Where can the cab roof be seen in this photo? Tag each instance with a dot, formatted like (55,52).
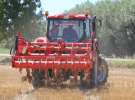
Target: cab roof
(70,16)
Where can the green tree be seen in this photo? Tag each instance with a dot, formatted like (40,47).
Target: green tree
(117,34)
(18,16)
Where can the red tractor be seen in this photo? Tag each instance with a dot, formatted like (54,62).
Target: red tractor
(68,52)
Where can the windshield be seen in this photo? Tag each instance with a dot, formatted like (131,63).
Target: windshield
(68,30)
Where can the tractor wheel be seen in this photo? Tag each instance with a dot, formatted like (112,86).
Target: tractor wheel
(102,73)
(38,78)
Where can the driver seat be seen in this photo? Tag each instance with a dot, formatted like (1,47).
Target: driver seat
(70,35)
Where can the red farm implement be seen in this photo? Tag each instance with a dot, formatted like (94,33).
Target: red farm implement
(69,51)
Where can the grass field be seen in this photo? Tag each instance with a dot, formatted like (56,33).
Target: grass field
(4,51)
(122,63)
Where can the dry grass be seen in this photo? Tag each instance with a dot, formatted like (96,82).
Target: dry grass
(120,86)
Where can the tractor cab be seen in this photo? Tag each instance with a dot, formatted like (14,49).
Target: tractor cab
(71,28)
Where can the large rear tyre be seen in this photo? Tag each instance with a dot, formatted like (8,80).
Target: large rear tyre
(38,78)
(100,76)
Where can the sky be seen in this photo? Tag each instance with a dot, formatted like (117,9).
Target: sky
(59,6)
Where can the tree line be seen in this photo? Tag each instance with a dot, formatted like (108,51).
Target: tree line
(117,34)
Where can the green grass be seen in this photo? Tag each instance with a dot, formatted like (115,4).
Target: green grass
(4,51)
(122,63)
